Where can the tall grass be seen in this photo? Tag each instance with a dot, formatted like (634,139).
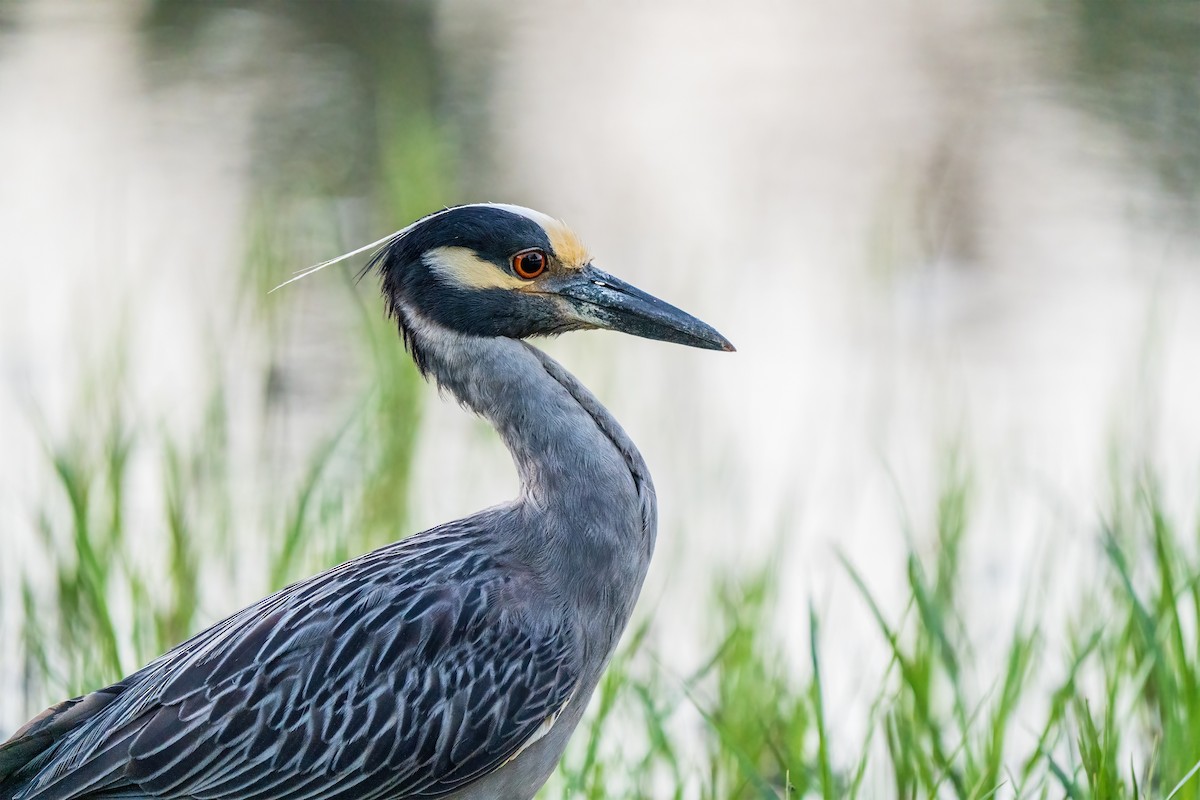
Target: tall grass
(108,590)
(1107,709)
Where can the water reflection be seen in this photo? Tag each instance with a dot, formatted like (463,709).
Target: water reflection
(901,215)
(1135,66)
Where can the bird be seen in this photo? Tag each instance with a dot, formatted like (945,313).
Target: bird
(456,662)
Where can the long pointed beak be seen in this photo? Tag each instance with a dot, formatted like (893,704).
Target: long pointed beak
(604,301)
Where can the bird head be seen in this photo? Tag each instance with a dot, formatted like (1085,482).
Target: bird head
(503,270)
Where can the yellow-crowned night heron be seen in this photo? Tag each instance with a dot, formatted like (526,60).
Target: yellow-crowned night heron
(452,664)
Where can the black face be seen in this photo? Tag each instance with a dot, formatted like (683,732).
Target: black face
(492,232)
(531,293)
(494,235)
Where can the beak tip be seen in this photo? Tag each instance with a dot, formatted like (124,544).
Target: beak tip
(728,347)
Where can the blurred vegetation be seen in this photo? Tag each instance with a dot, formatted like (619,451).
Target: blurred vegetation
(113,601)
(1134,64)
(1106,709)
(1109,708)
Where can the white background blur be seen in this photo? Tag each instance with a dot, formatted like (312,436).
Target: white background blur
(919,222)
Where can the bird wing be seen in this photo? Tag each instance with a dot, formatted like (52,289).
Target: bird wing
(407,673)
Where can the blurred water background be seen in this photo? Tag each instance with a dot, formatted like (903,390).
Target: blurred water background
(945,236)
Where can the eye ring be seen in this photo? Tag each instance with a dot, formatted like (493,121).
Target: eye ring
(529,264)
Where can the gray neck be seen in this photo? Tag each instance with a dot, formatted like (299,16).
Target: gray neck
(587,506)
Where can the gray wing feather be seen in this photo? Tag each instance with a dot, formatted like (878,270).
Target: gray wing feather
(408,672)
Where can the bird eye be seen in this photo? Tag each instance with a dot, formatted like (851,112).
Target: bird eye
(528,264)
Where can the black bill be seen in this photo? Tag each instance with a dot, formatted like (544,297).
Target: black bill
(608,302)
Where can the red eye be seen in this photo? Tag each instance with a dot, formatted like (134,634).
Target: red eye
(528,264)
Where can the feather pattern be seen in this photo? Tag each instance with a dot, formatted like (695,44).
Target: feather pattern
(408,672)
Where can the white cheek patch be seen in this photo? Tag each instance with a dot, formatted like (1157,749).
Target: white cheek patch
(541,219)
(461,266)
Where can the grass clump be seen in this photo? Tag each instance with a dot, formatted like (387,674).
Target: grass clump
(1118,719)
(1107,708)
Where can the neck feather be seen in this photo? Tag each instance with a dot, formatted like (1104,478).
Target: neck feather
(567,447)
(587,516)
